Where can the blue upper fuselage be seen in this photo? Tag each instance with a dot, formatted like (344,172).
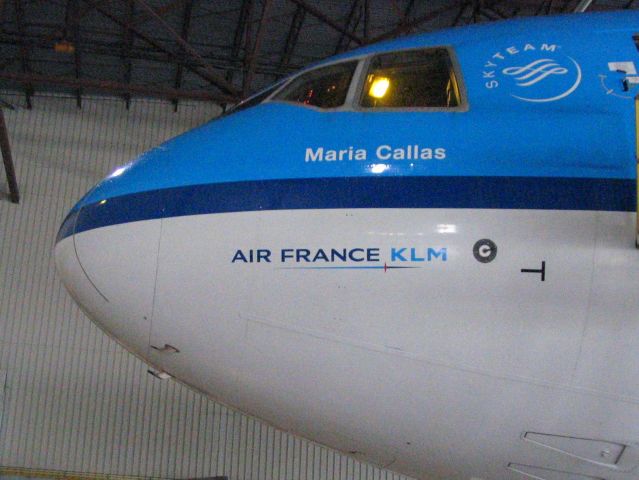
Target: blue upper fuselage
(564,141)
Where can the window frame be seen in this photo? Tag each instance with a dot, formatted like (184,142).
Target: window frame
(454,64)
(344,107)
(356,88)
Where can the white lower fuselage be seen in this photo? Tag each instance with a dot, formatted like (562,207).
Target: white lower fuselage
(435,371)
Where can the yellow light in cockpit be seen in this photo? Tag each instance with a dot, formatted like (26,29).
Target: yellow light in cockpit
(379,87)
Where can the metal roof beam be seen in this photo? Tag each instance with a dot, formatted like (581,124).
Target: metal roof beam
(492,11)
(24,51)
(348,27)
(325,19)
(118,88)
(92,49)
(476,10)
(397,10)
(163,10)
(496,8)
(551,5)
(240,31)
(5,147)
(127,47)
(409,8)
(7,159)
(404,16)
(72,27)
(292,36)
(257,45)
(186,26)
(461,12)
(57,33)
(215,78)
(367,17)
(427,16)
(544,5)
(211,77)
(491,14)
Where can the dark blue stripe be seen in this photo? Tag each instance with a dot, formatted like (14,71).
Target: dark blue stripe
(548,193)
(68,225)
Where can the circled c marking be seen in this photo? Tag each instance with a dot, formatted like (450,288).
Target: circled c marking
(485,250)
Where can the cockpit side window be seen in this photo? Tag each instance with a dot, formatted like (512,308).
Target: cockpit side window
(407,79)
(256,99)
(325,87)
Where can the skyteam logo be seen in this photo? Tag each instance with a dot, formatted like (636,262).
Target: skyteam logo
(535,72)
(532,73)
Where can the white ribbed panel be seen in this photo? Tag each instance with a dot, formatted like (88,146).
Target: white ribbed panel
(3,377)
(74,399)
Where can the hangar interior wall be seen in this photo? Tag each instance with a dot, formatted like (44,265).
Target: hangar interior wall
(76,401)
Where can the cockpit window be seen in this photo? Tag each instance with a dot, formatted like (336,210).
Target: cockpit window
(411,79)
(323,87)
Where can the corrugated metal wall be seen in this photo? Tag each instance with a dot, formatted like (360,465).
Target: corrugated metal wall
(74,399)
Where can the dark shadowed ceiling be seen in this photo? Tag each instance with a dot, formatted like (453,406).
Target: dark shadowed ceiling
(220,50)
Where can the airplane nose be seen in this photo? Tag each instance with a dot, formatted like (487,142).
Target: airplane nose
(110,270)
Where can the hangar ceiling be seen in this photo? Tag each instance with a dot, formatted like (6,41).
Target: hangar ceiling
(212,49)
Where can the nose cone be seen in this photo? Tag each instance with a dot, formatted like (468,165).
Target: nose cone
(107,249)
(110,270)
